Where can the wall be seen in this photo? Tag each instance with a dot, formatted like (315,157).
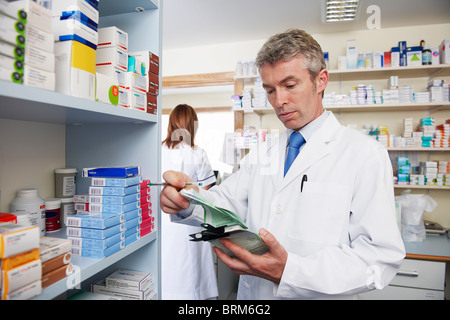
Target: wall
(223,57)
(45,150)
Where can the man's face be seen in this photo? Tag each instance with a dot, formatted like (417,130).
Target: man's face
(294,97)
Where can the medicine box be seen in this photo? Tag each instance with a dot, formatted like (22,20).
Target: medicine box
(66,7)
(19,259)
(11,25)
(39,59)
(39,39)
(98,253)
(113,191)
(11,36)
(72,28)
(116,182)
(95,233)
(352,54)
(15,239)
(26,292)
(115,199)
(106,89)
(124,293)
(138,101)
(14,10)
(129,279)
(38,78)
(11,63)
(11,51)
(124,100)
(133,214)
(378,59)
(113,37)
(95,221)
(445,51)
(75,69)
(11,75)
(56,262)
(20,276)
(136,65)
(414,56)
(117,75)
(149,58)
(136,82)
(152,103)
(36,14)
(97,243)
(112,57)
(51,247)
(133,223)
(132,238)
(57,274)
(395,57)
(112,172)
(402,53)
(113,208)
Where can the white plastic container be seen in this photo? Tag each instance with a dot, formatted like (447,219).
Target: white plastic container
(65,182)
(28,200)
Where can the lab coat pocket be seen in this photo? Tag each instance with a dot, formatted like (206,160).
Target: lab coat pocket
(321,214)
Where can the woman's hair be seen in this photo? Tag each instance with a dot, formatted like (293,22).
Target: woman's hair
(287,45)
(182,126)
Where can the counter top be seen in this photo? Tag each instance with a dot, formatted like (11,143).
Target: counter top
(435,247)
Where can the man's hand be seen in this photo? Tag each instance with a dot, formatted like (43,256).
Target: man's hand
(269,266)
(171,201)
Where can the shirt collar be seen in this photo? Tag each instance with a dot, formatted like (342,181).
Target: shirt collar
(308,130)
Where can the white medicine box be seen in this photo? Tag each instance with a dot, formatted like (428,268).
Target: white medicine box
(112,57)
(112,37)
(445,51)
(75,69)
(106,89)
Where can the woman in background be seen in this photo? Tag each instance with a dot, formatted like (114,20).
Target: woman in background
(188,271)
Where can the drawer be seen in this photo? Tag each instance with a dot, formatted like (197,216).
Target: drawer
(402,293)
(420,274)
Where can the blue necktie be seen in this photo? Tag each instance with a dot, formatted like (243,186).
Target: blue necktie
(295,142)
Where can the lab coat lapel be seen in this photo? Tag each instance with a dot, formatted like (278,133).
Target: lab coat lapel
(316,148)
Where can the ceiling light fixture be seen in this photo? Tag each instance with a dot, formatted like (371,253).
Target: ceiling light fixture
(339,10)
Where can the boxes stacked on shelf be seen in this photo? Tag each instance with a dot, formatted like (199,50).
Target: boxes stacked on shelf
(148,221)
(114,216)
(146,63)
(111,66)
(55,255)
(75,26)
(429,170)
(20,262)
(439,90)
(403,170)
(442,136)
(26,25)
(127,285)
(427,126)
(259,95)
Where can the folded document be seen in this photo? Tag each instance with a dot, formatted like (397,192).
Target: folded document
(223,223)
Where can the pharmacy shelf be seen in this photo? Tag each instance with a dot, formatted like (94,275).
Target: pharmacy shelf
(425,149)
(20,102)
(412,106)
(407,186)
(427,106)
(85,268)
(383,73)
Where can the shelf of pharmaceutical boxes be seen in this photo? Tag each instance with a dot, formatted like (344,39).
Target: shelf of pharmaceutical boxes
(20,102)
(84,268)
(430,187)
(410,106)
(441,70)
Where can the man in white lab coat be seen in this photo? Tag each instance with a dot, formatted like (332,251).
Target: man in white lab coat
(330,221)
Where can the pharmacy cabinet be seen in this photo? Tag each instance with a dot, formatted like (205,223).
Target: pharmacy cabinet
(415,280)
(82,133)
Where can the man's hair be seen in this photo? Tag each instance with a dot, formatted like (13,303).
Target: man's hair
(289,44)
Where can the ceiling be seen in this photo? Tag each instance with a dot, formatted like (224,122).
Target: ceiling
(190,23)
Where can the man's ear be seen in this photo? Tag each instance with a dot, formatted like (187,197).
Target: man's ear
(322,80)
